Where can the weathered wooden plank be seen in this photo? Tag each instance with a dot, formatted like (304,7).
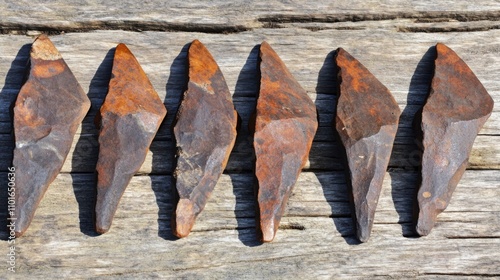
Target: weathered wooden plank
(324,155)
(61,234)
(406,76)
(316,236)
(236,16)
(385,53)
(305,194)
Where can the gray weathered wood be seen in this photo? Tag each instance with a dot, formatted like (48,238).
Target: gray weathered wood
(60,240)
(395,67)
(391,38)
(238,16)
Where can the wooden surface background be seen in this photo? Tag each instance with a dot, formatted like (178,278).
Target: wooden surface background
(392,38)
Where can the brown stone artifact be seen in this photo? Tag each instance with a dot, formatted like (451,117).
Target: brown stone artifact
(456,109)
(205,131)
(285,125)
(367,121)
(48,110)
(129,119)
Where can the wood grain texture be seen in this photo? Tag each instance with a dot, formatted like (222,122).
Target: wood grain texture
(223,243)
(240,15)
(316,238)
(405,71)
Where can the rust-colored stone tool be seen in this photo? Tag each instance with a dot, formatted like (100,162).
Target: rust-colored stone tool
(129,119)
(367,121)
(285,125)
(457,107)
(205,132)
(48,110)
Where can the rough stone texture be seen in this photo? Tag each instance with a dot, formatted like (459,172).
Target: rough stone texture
(367,120)
(129,119)
(457,107)
(48,110)
(285,124)
(205,132)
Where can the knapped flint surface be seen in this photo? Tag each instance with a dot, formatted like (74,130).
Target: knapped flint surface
(205,132)
(48,110)
(367,120)
(285,125)
(457,107)
(129,119)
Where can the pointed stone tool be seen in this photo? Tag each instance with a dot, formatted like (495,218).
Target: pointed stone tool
(285,125)
(367,121)
(457,107)
(205,132)
(129,119)
(48,110)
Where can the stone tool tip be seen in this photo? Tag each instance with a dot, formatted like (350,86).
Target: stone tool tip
(185,216)
(43,48)
(268,231)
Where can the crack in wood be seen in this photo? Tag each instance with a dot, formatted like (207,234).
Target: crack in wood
(125,25)
(460,16)
(460,274)
(435,29)
(472,237)
(296,226)
(267,21)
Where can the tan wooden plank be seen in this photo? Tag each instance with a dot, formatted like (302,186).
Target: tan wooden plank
(397,59)
(235,16)
(60,240)
(315,239)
